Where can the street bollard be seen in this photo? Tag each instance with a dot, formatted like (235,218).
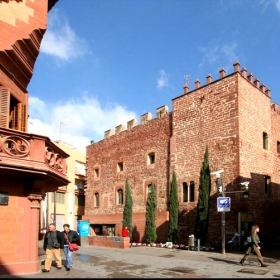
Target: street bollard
(198,244)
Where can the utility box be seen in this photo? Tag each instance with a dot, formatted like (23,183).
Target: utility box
(84,232)
(191,240)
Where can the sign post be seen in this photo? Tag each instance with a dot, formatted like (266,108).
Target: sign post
(223,204)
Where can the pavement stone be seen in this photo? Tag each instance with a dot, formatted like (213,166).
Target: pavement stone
(148,262)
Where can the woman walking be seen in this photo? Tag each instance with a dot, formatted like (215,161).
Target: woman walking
(70,236)
(254,247)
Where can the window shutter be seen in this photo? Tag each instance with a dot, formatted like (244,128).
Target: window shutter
(19,117)
(4,107)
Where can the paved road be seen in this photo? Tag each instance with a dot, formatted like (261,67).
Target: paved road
(148,262)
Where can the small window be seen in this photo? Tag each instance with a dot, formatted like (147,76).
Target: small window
(192,191)
(96,199)
(278,147)
(185,192)
(188,192)
(265,141)
(151,158)
(58,197)
(96,173)
(149,189)
(267,180)
(80,200)
(120,196)
(120,166)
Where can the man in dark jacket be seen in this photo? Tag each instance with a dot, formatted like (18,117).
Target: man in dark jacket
(52,237)
(70,236)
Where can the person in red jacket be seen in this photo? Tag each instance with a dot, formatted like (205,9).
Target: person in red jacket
(125,232)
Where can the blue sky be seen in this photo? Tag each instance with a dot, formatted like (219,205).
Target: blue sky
(105,62)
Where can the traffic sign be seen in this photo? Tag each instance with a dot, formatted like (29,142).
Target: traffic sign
(223,204)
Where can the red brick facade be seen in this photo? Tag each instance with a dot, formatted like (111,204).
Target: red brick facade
(30,165)
(231,116)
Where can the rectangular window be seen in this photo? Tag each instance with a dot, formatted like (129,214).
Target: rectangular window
(80,168)
(151,158)
(79,185)
(96,199)
(96,173)
(120,166)
(265,141)
(185,192)
(267,180)
(58,197)
(79,200)
(278,147)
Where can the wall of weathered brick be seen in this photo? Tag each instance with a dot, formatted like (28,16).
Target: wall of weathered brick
(229,116)
(109,241)
(132,148)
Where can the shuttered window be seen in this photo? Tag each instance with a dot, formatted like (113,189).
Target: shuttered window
(4,107)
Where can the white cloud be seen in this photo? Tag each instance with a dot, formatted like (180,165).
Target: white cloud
(77,121)
(278,5)
(219,53)
(162,81)
(60,40)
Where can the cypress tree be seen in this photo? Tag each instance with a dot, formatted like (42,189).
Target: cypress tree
(151,209)
(173,210)
(127,210)
(203,204)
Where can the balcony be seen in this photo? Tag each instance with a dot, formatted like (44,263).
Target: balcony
(25,155)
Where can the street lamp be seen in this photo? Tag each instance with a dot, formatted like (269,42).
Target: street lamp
(221,188)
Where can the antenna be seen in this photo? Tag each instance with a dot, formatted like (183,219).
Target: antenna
(187,78)
(60,130)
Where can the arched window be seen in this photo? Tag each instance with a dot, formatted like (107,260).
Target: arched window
(188,191)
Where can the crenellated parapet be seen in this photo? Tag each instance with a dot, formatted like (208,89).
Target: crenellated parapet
(145,118)
(222,74)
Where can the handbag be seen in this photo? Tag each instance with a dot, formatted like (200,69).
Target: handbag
(249,239)
(72,246)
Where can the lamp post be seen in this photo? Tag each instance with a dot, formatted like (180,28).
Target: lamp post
(221,188)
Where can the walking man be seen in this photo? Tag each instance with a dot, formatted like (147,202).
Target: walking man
(53,242)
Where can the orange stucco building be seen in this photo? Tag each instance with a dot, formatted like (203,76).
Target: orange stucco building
(30,165)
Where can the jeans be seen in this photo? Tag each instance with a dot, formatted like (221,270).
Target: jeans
(68,255)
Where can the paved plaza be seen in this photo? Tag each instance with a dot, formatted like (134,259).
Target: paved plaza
(149,262)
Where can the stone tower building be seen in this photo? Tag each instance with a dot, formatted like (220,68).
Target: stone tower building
(234,117)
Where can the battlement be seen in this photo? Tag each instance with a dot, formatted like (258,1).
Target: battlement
(222,73)
(163,110)
(145,118)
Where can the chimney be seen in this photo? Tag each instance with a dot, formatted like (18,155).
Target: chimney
(197,83)
(267,92)
(209,79)
(262,88)
(244,72)
(257,82)
(236,66)
(222,73)
(250,77)
(186,89)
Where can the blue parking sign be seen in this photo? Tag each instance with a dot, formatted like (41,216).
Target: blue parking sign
(223,204)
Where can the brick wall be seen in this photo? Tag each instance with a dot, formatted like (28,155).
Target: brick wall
(131,148)
(229,116)
(109,241)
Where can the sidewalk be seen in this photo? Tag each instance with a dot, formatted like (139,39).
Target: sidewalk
(148,262)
